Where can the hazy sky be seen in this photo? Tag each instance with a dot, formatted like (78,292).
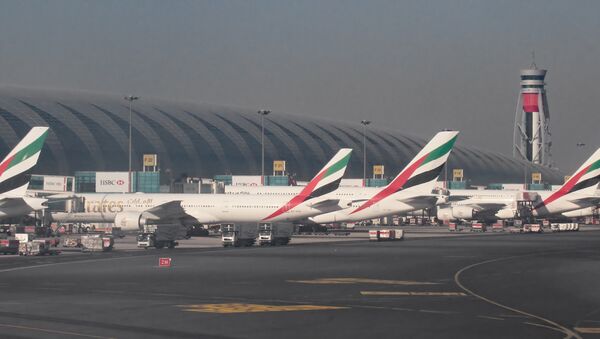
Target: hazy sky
(415,66)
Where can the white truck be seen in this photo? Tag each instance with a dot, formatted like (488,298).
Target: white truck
(274,234)
(160,236)
(239,234)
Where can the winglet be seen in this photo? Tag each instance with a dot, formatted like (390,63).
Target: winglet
(14,169)
(327,180)
(424,168)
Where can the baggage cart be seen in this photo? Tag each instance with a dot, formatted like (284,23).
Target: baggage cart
(96,243)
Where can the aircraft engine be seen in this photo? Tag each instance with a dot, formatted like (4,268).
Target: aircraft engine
(456,212)
(130,221)
(444,213)
(506,213)
(463,212)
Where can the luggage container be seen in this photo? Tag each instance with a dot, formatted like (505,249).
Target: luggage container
(564,227)
(498,227)
(478,227)
(515,229)
(24,237)
(9,246)
(36,247)
(385,234)
(96,243)
(71,241)
(535,228)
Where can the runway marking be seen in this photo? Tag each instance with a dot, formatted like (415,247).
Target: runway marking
(489,317)
(332,281)
(513,316)
(52,331)
(554,325)
(438,312)
(588,330)
(253,308)
(427,294)
(544,326)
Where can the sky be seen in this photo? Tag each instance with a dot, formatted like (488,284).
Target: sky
(412,66)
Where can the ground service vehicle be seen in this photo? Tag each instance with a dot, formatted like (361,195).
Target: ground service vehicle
(9,246)
(273,234)
(160,236)
(145,240)
(239,234)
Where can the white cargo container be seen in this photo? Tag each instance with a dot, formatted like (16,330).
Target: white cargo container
(239,234)
(96,243)
(564,227)
(385,234)
(275,233)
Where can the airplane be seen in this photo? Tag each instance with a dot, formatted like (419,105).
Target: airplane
(411,196)
(411,189)
(15,175)
(132,211)
(578,192)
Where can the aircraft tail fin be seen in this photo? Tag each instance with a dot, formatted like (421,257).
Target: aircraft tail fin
(584,181)
(422,171)
(16,166)
(326,181)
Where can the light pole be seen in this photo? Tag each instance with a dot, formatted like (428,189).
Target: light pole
(130,98)
(262,114)
(365,123)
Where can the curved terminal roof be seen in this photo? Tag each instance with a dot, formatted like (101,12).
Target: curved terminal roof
(89,131)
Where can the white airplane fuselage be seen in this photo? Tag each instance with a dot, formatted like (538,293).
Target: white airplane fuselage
(509,198)
(351,198)
(204,208)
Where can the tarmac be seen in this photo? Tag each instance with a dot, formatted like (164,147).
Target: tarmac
(432,284)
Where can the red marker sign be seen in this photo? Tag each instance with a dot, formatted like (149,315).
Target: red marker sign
(164,262)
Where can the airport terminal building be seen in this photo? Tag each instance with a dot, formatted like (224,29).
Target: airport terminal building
(89,132)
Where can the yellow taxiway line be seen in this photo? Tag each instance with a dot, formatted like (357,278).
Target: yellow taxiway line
(253,308)
(588,330)
(326,281)
(428,294)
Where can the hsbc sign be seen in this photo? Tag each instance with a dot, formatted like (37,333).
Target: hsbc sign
(116,182)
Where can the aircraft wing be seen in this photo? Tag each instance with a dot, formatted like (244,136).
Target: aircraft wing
(326,203)
(12,202)
(586,201)
(54,198)
(491,206)
(453,198)
(420,200)
(167,210)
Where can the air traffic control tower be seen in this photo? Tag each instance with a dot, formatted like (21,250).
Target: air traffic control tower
(531,138)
